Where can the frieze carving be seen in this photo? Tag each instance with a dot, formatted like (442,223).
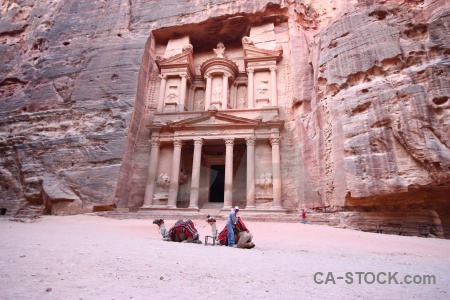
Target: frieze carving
(207,132)
(262,63)
(174,70)
(227,72)
(165,135)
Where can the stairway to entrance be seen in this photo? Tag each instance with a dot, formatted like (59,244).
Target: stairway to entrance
(211,208)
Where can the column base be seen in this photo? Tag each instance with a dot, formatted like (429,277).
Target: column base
(145,207)
(167,209)
(264,210)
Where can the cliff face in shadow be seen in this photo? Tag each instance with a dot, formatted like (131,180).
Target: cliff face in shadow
(366,100)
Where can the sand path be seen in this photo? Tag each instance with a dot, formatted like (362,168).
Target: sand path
(92,257)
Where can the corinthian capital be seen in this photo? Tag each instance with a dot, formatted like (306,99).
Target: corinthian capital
(154,143)
(198,142)
(229,141)
(250,141)
(177,143)
(274,141)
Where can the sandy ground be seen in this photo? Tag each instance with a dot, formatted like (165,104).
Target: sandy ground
(92,257)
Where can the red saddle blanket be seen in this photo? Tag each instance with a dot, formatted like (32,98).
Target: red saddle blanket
(185,227)
(223,235)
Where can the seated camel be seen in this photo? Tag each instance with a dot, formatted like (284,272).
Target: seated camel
(242,236)
(182,231)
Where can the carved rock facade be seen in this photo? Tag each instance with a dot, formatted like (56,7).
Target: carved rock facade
(359,110)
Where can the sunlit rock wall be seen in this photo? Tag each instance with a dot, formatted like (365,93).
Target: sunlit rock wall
(367,100)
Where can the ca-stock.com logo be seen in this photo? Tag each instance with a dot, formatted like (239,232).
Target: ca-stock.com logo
(372,278)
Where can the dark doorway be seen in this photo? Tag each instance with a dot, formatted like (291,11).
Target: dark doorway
(217,181)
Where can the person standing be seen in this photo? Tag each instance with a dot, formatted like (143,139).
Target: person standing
(303,216)
(231,223)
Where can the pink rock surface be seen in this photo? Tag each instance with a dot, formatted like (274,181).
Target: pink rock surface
(364,93)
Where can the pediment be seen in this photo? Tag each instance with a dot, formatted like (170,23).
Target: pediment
(252,53)
(182,60)
(215,120)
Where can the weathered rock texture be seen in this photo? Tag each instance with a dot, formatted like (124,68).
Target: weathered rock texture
(366,101)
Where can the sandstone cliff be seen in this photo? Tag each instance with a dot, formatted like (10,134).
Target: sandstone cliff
(366,104)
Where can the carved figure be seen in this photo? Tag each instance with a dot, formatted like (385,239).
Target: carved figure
(242,99)
(199,102)
(172,95)
(217,92)
(182,178)
(182,231)
(265,180)
(163,180)
(220,50)
(263,88)
(242,236)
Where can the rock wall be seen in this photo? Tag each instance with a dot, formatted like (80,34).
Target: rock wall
(367,103)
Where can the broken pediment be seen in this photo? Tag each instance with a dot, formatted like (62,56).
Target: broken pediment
(181,60)
(255,54)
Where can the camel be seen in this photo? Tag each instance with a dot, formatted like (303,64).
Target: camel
(242,235)
(182,231)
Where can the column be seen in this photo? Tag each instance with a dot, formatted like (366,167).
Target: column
(208,91)
(250,101)
(195,183)
(273,86)
(182,103)
(276,170)
(162,92)
(174,174)
(224,91)
(151,174)
(228,193)
(250,172)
